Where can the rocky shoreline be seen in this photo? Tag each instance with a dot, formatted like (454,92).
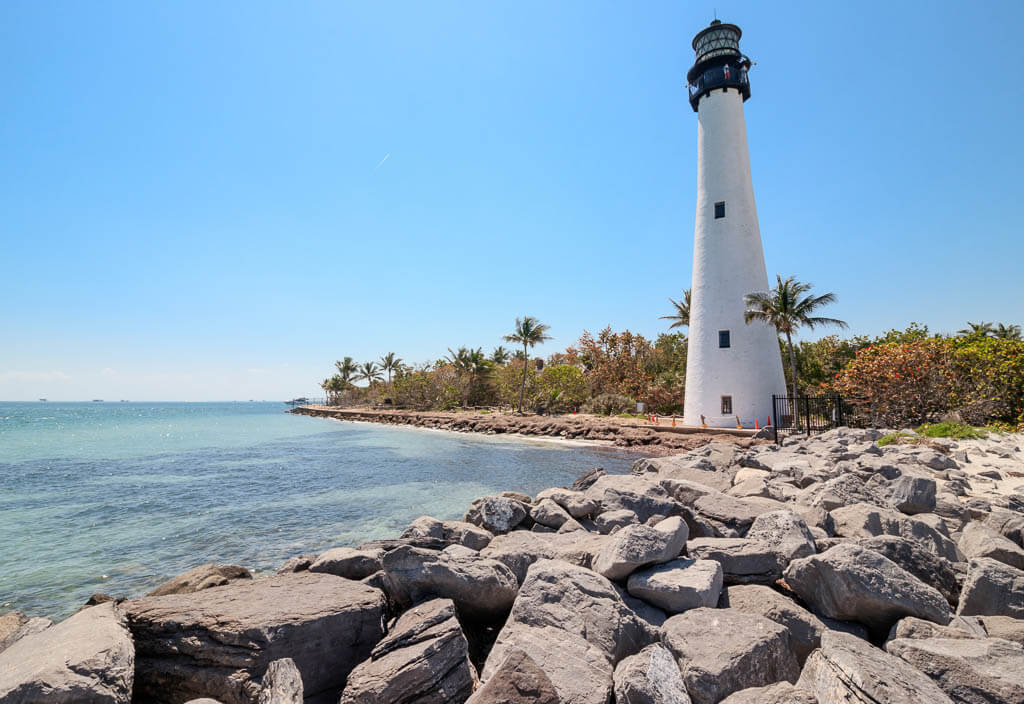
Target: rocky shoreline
(826,570)
(627,433)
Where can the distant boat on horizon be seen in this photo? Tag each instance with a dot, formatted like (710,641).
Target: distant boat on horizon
(97,400)
(42,400)
(300,401)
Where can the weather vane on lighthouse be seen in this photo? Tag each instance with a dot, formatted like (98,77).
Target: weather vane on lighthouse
(732,368)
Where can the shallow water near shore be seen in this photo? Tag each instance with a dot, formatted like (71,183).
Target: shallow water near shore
(118,497)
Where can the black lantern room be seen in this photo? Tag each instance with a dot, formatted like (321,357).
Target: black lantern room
(719,64)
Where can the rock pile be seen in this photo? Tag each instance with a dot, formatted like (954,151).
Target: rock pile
(826,570)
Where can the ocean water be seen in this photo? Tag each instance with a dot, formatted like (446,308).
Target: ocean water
(119,497)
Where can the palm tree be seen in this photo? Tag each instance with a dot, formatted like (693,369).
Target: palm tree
(1007,332)
(368,371)
(529,332)
(786,309)
(346,369)
(681,319)
(390,363)
(981,329)
(500,355)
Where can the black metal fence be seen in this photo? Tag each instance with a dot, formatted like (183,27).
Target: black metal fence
(793,415)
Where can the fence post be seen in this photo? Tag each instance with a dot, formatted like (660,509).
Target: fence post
(775,417)
(807,413)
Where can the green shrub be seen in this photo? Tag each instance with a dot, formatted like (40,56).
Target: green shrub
(891,438)
(608,404)
(957,431)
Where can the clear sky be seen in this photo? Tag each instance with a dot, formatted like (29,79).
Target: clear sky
(217,200)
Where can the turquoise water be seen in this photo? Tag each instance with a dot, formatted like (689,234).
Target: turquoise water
(118,497)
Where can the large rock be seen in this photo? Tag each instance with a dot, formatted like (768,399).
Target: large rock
(743,561)
(804,628)
(520,549)
(282,684)
(637,546)
(977,540)
(202,577)
(348,562)
(644,498)
(518,680)
(481,587)
(731,513)
(650,677)
(778,693)
(721,651)
(577,503)
(851,583)
(992,588)
(496,514)
(219,642)
(575,600)
(549,514)
(423,660)
(848,670)
(844,490)
(915,559)
(87,659)
(688,468)
(968,670)
(678,585)
(451,532)
(1003,627)
(609,521)
(867,521)
(786,532)
(912,494)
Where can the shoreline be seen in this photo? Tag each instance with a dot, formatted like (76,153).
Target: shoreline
(581,429)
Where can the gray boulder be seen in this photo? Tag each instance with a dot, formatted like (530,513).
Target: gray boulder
(298,563)
(650,677)
(577,601)
(844,490)
(202,577)
(15,625)
(1003,627)
(721,651)
(496,514)
(688,467)
(451,532)
(576,503)
(636,546)
(518,680)
(1008,524)
(678,585)
(848,670)
(550,514)
(992,588)
(608,521)
(804,628)
(348,562)
(645,499)
(786,532)
(912,494)
(743,561)
(188,645)
(282,683)
(86,659)
(958,627)
(978,540)
(867,521)
(915,559)
(976,670)
(520,549)
(423,660)
(851,583)
(731,513)
(481,587)
(778,693)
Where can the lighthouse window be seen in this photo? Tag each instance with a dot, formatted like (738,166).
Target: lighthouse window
(727,405)
(720,209)
(723,338)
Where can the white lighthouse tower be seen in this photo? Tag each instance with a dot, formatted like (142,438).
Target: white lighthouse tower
(732,369)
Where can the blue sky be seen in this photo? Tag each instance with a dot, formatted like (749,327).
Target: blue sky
(217,200)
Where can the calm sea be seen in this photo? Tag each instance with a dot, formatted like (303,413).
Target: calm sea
(118,497)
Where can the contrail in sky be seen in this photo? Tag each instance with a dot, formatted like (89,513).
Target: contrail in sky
(382,161)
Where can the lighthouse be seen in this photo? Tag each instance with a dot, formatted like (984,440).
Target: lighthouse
(732,368)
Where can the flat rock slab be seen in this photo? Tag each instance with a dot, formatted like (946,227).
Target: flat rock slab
(678,585)
(650,677)
(804,628)
(518,680)
(915,559)
(864,520)
(452,532)
(992,588)
(978,540)
(968,670)
(743,561)
(348,562)
(851,583)
(637,546)
(520,549)
(423,660)
(219,642)
(847,670)
(721,651)
(779,693)
(87,659)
